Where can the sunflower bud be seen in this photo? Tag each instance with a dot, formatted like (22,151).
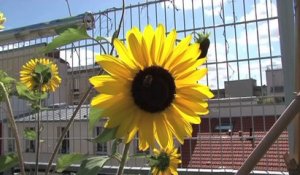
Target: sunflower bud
(204,42)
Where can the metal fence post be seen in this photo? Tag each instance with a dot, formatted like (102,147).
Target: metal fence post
(286,26)
(289,27)
(296,155)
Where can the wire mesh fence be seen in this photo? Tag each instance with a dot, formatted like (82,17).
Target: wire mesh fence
(244,72)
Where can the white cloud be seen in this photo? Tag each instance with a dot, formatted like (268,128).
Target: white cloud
(216,50)
(81,57)
(216,9)
(262,9)
(229,19)
(264,49)
(261,34)
(189,4)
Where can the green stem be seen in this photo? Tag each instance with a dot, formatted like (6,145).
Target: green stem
(38,140)
(119,27)
(100,44)
(124,158)
(13,124)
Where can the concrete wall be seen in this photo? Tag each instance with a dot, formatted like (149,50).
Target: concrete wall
(78,137)
(275,82)
(240,88)
(78,83)
(243,107)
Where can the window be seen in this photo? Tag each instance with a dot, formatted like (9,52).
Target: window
(30,144)
(76,85)
(224,127)
(101,148)
(277,89)
(11,141)
(65,145)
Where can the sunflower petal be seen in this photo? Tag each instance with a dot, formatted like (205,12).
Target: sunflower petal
(163,134)
(114,66)
(190,68)
(178,50)
(195,92)
(104,101)
(135,48)
(186,112)
(109,85)
(125,54)
(158,45)
(177,125)
(123,129)
(148,40)
(118,113)
(198,107)
(146,130)
(185,123)
(191,77)
(168,47)
(186,60)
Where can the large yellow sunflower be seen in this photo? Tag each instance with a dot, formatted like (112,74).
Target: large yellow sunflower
(47,80)
(165,161)
(152,87)
(2,20)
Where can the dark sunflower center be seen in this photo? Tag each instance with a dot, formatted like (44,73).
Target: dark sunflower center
(153,89)
(164,161)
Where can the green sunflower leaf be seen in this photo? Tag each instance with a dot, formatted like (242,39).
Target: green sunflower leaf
(92,165)
(41,68)
(43,95)
(95,115)
(8,161)
(8,83)
(108,134)
(67,37)
(66,160)
(30,134)
(24,92)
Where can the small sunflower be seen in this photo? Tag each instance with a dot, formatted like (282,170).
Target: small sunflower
(152,87)
(41,73)
(2,20)
(165,161)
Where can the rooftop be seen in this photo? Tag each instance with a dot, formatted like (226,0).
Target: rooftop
(219,150)
(57,113)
